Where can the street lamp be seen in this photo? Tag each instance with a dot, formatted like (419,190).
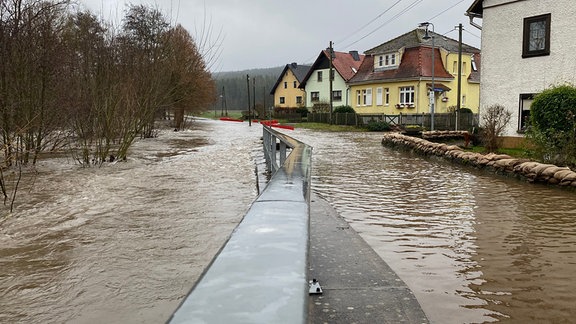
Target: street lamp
(432,93)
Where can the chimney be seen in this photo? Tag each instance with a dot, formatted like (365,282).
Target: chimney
(355,55)
(294,64)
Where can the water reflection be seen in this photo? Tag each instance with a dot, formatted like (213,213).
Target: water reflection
(474,248)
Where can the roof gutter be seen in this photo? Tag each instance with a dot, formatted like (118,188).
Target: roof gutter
(472,16)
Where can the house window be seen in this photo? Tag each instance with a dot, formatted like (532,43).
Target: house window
(390,59)
(386,96)
(526,100)
(358,98)
(367,97)
(386,60)
(282,100)
(315,96)
(299,100)
(319,76)
(337,95)
(536,40)
(379,96)
(285,85)
(407,95)
(295,85)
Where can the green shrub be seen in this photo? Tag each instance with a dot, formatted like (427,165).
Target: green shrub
(344,110)
(553,125)
(378,126)
(303,111)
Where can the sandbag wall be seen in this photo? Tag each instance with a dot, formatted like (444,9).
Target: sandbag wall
(500,163)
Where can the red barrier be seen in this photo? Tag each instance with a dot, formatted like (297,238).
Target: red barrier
(231,119)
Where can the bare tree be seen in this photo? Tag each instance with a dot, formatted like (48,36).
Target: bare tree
(494,120)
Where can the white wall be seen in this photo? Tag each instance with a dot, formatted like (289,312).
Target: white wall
(323,87)
(505,74)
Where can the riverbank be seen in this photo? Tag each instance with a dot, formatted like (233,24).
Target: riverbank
(503,164)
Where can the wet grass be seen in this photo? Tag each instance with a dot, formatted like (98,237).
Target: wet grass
(329,128)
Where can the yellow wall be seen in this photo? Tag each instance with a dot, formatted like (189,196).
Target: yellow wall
(290,93)
(470,92)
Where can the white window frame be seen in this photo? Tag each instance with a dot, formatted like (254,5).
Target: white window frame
(387,96)
(379,96)
(406,95)
(369,97)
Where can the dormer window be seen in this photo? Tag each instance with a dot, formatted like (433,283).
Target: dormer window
(387,60)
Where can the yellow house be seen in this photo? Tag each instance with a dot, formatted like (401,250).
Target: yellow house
(396,77)
(286,91)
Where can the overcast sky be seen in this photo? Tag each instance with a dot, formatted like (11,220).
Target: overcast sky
(270,33)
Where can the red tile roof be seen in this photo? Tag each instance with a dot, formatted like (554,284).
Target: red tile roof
(415,62)
(346,64)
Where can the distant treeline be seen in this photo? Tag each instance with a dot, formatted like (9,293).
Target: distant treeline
(236,87)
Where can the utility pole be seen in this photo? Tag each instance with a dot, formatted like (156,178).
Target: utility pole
(222,103)
(459,92)
(330,79)
(249,112)
(254,92)
(225,103)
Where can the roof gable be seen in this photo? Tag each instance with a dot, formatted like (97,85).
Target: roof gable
(299,72)
(415,38)
(476,9)
(415,63)
(346,64)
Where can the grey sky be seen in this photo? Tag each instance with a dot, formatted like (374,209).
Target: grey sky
(268,33)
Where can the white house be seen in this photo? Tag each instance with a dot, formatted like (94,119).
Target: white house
(317,83)
(527,46)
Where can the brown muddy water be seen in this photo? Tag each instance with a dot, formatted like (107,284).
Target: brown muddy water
(124,243)
(473,247)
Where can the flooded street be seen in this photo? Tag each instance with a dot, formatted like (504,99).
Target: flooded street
(124,243)
(473,247)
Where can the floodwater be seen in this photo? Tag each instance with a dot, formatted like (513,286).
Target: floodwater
(473,247)
(124,243)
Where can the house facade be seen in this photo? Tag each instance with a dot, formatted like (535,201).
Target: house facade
(527,46)
(396,77)
(287,92)
(317,82)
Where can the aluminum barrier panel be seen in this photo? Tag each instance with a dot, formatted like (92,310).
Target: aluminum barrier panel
(260,274)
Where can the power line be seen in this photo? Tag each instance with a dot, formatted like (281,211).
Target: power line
(444,11)
(405,10)
(368,23)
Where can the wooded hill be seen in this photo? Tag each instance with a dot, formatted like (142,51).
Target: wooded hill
(236,87)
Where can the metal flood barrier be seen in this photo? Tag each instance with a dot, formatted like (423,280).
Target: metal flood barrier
(259,276)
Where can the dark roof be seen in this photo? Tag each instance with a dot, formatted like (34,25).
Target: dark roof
(414,38)
(475,74)
(416,62)
(346,64)
(299,72)
(476,9)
